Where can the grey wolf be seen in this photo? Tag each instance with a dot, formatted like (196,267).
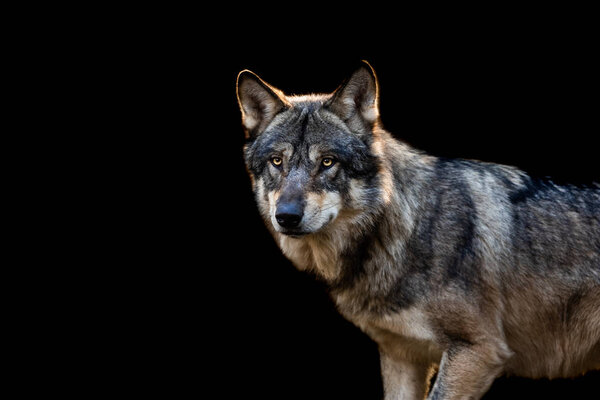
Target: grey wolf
(467,268)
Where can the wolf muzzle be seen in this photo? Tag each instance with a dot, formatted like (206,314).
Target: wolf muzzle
(291,203)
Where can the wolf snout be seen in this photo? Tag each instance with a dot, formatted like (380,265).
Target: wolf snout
(289,215)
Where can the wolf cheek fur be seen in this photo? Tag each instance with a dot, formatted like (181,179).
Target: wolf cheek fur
(469,267)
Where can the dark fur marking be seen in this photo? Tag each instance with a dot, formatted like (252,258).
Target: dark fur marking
(461,223)
(449,216)
(303,125)
(418,262)
(531,188)
(545,188)
(405,291)
(571,306)
(523,244)
(569,211)
(354,262)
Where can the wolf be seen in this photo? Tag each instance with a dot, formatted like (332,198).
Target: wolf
(460,267)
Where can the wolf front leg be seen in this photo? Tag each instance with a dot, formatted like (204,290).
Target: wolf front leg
(467,371)
(402,379)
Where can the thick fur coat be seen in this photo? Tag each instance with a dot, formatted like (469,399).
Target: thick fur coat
(468,268)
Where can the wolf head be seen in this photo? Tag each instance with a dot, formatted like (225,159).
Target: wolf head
(311,158)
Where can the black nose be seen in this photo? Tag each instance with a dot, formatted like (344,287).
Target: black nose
(289,215)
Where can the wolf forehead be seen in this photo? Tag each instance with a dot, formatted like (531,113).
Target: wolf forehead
(306,131)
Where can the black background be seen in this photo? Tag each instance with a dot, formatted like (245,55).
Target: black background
(201,298)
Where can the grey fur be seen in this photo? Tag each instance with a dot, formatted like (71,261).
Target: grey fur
(470,267)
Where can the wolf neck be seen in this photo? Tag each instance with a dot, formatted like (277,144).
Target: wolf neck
(342,252)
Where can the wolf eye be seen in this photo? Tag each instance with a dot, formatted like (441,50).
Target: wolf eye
(327,162)
(276,161)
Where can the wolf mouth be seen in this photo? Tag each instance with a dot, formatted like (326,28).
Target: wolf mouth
(295,234)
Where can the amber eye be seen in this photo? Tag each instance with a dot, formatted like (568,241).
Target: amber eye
(327,162)
(276,161)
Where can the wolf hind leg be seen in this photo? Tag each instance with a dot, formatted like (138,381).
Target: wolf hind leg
(467,371)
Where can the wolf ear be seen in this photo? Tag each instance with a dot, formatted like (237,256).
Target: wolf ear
(259,102)
(356,101)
